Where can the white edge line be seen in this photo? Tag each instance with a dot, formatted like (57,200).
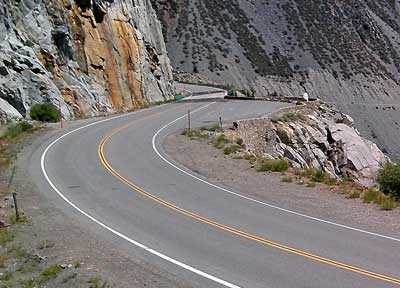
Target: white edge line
(98,222)
(252,199)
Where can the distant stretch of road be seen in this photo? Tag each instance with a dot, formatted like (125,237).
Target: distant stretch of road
(114,178)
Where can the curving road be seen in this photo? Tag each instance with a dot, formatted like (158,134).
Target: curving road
(114,178)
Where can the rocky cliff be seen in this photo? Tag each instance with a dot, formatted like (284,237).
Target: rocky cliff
(88,56)
(313,136)
(345,52)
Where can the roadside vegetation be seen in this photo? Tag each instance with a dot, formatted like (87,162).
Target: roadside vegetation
(288,117)
(45,112)
(389,179)
(272,165)
(25,264)
(16,130)
(386,197)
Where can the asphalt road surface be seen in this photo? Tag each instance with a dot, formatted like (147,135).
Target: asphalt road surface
(114,178)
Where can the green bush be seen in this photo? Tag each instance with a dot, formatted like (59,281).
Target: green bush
(50,272)
(220,141)
(288,117)
(386,202)
(212,128)
(249,157)
(287,179)
(45,112)
(371,195)
(231,149)
(271,165)
(354,194)
(17,129)
(307,172)
(6,236)
(191,133)
(319,176)
(330,181)
(389,179)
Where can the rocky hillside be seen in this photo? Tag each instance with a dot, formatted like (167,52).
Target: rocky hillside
(345,52)
(313,136)
(89,55)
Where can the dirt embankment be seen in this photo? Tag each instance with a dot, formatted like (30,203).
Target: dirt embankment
(320,201)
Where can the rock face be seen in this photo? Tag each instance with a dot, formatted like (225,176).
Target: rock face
(314,136)
(344,52)
(87,56)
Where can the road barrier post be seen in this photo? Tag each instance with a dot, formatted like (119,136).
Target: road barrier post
(220,122)
(11,178)
(189,124)
(16,207)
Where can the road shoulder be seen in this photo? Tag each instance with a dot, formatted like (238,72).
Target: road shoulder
(321,202)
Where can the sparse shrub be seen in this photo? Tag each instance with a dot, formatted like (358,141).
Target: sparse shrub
(389,179)
(311,185)
(3,260)
(219,141)
(249,157)
(95,282)
(6,235)
(191,133)
(239,141)
(370,195)
(17,129)
(287,179)
(44,244)
(27,283)
(212,128)
(318,176)
(353,194)
(21,219)
(45,112)
(307,172)
(6,277)
(347,179)
(17,251)
(231,149)
(386,202)
(288,117)
(50,272)
(272,165)
(232,92)
(77,264)
(329,180)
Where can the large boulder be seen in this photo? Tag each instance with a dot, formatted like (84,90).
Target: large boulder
(320,137)
(363,156)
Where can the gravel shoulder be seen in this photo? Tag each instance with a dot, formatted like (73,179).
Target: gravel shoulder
(53,238)
(322,201)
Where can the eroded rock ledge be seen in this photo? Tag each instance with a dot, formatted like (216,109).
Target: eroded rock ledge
(91,56)
(313,136)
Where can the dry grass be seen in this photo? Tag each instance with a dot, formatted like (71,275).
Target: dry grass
(271,165)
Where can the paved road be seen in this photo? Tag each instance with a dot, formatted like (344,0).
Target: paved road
(115,184)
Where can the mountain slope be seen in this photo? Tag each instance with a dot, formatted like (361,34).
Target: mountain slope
(92,56)
(345,52)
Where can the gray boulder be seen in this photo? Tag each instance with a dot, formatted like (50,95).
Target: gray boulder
(321,138)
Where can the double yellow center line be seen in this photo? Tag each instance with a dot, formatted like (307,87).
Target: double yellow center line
(229,229)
